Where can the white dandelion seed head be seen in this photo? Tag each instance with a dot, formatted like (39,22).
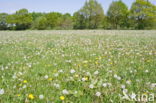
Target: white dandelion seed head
(128,82)
(41,96)
(1,91)
(91,86)
(56,85)
(65,91)
(123,86)
(24,86)
(104,84)
(60,71)
(125,90)
(96,72)
(72,71)
(146,71)
(56,74)
(98,94)
(46,76)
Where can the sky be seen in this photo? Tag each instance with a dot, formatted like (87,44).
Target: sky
(63,6)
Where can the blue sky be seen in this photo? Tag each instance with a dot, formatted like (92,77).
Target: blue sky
(63,6)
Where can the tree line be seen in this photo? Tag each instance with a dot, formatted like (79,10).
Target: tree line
(141,15)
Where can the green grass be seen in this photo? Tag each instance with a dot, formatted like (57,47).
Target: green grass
(48,62)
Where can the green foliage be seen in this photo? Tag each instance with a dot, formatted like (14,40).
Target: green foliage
(53,19)
(21,19)
(143,15)
(79,21)
(35,15)
(66,21)
(90,16)
(40,23)
(3,24)
(118,14)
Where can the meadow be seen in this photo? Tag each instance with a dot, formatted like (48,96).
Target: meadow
(81,66)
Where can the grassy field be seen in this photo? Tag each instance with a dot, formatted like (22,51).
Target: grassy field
(77,66)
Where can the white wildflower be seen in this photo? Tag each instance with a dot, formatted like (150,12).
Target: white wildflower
(72,71)
(65,91)
(1,91)
(41,96)
(123,86)
(98,94)
(46,76)
(96,72)
(104,84)
(91,86)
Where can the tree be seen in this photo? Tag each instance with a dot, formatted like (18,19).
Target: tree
(40,23)
(3,24)
(143,15)
(90,15)
(79,21)
(35,15)
(118,15)
(66,21)
(21,19)
(53,19)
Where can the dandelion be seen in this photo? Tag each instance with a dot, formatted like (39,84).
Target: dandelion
(1,91)
(72,71)
(133,96)
(123,86)
(62,97)
(24,86)
(31,96)
(128,82)
(153,85)
(50,79)
(104,84)
(91,86)
(41,96)
(56,85)
(96,72)
(85,79)
(75,92)
(18,95)
(56,74)
(14,77)
(60,71)
(125,90)
(85,61)
(46,76)
(98,94)
(146,71)
(76,75)
(25,81)
(65,91)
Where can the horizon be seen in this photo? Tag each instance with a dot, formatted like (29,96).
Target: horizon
(53,6)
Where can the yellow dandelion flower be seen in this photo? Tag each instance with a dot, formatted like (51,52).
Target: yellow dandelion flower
(85,78)
(30,96)
(50,79)
(76,75)
(62,97)
(18,95)
(25,81)
(96,62)
(85,61)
